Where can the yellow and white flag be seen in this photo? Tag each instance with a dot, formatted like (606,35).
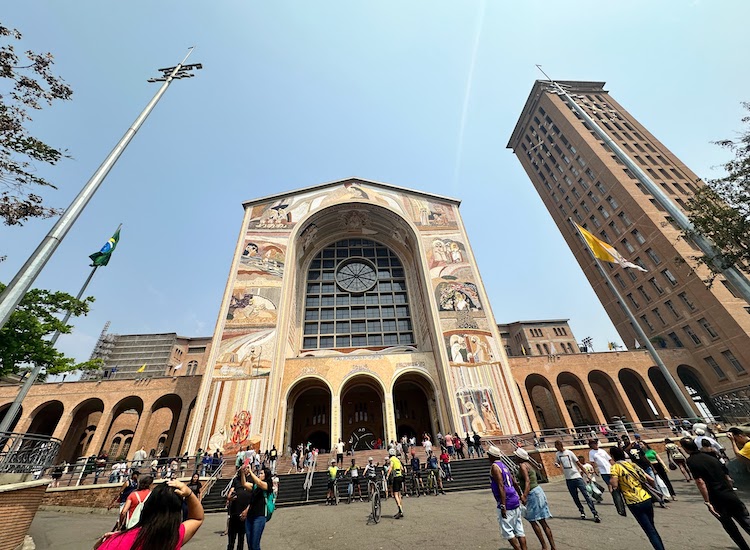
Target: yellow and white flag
(606,252)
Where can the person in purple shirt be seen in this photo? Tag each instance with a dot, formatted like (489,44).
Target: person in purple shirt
(506,492)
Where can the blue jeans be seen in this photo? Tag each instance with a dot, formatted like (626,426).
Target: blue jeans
(575,485)
(254,528)
(643,512)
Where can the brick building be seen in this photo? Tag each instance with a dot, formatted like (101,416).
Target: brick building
(579,177)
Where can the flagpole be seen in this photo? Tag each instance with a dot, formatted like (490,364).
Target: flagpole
(642,335)
(15,407)
(21,283)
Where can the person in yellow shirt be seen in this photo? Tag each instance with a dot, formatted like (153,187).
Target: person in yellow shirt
(396,472)
(333,473)
(739,437)
(626,476)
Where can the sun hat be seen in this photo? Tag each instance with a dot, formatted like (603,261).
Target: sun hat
(494,451)
(700,431)
(522,454)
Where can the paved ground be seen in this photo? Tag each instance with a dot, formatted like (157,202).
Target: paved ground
(459,520)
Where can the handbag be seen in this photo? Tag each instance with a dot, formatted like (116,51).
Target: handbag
(672,465)
(620,506)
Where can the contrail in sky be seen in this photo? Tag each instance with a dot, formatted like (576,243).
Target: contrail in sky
(467,94)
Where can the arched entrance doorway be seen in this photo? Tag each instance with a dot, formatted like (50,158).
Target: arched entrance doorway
(165,413)
(45,419)
(4,411)
(125,417)
(86,418)
(579,408)
(412,393)
(667,395)
(607,395)
(640,399)
(543,401)
(309,414)
(697,391)
(362,424)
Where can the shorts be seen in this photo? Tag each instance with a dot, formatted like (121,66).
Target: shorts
(417,474)
(397,483)
(355,482)
(339,457)
(511,526)
(331,483)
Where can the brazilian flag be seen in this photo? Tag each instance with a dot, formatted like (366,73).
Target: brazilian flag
(101,258)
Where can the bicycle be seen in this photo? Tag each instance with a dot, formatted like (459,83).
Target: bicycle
(416,481)
(375,504)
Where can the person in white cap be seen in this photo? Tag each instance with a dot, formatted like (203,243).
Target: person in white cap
(506,493)
(701,436)
(533,496)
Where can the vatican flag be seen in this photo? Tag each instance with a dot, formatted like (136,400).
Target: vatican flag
(143,368)
(605,251)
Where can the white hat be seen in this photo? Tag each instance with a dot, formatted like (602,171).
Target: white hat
(522,454)
(700,431)
(494,451)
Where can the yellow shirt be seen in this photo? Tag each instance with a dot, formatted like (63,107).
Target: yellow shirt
(745,450)
(333,472)
(396,466)
(629,484)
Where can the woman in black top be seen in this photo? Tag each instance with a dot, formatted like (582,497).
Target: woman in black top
(239,500)
(194,485)
(255,513)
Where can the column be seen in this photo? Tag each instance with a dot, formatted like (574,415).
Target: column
(140,431)
(102,430)
(596,408)
(561,406)
(389,418)
(335,419)
(530,412)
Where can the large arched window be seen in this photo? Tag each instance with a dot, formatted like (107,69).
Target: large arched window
(356,298)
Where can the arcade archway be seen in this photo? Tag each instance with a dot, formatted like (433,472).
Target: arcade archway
(362,424)
(641,400)
(309,410)
(45,419)
(607,395)
(86,418)
(668,397)
(697,390)
(543,401)
(412,393)
(576,401)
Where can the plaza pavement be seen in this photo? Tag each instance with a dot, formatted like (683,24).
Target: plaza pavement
(458,520)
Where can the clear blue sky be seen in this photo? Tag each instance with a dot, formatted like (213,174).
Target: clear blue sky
(422,94)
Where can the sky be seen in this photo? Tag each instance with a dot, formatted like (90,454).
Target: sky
(421,94)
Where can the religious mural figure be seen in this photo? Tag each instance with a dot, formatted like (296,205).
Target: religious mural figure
(240,427)
(216,441)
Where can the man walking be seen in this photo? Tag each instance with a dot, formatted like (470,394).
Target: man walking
(506,492)
(717,493)
(340,453)
(139,458)
(601,461)
(574,480)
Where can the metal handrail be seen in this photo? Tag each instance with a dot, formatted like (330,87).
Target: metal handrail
(215,474)
(309,477)
(24,453)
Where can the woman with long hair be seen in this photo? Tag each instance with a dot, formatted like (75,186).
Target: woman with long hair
(626,476)
(657,464)
(160,526)
(675,456)
(534,498)
(255,514)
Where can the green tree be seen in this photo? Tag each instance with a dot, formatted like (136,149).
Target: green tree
(26,84)
(721,209)
(23,339)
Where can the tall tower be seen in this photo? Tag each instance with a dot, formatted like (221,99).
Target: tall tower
(579,177)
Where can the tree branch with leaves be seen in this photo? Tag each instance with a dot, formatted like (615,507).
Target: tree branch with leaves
(720,210)
(26,84)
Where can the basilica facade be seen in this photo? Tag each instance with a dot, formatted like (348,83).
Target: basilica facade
(354,310)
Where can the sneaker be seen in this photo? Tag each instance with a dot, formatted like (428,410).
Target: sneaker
(583,516)
(597,519)
(398,516)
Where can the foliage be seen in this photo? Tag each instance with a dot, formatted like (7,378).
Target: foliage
(721,209)
(24,87)
(23,338)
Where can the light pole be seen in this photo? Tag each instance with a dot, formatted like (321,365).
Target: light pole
(15,291)
(21,283)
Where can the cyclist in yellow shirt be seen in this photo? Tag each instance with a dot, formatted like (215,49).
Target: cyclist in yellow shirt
(333,473)
(396,470)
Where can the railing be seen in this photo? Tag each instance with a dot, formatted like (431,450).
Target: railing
(27,453)
(93,470)
(216,474)
(309,477)
(580,435)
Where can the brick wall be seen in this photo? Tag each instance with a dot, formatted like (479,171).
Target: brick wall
(18,505)
(87,496)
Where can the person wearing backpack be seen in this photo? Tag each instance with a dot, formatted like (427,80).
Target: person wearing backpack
(126,490)
(262,504)
(131,511)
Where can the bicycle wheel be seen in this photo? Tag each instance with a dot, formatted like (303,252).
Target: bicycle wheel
(376,507)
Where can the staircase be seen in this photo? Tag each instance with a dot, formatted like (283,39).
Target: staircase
(468,474)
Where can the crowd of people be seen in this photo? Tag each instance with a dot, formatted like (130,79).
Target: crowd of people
(633,474)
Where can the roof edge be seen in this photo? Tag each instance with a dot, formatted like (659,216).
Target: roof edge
(388,186)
